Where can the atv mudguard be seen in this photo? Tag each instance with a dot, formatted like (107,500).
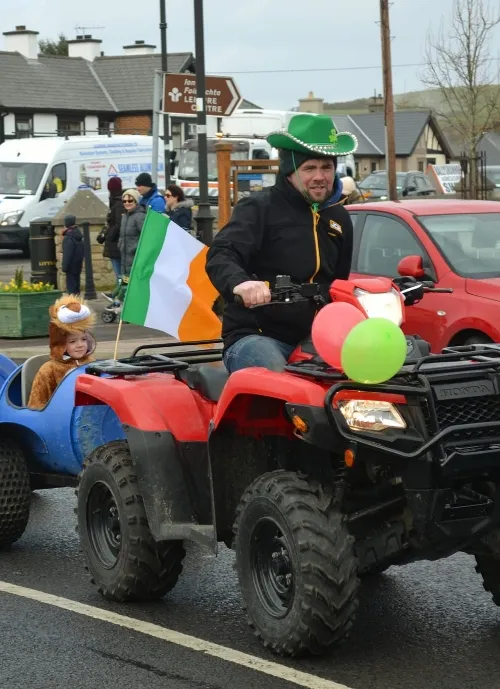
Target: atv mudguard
(183,446)
(261,383)
(166,426)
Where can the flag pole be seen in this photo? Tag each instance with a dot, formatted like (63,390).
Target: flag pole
(117,339)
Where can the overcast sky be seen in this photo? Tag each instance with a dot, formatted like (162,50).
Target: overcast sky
(324,38)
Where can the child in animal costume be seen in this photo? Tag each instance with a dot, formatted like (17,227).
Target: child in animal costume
(71,345)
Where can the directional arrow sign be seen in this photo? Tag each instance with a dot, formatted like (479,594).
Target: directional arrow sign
(179,95)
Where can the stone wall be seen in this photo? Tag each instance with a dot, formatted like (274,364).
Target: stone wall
(104,277)
(86,207)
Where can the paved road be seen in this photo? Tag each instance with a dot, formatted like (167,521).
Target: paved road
(9,261)
(429,625)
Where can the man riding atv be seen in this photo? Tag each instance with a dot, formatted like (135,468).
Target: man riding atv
(298,227)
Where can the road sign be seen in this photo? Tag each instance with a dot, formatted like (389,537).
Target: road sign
(179,95)
(446,176)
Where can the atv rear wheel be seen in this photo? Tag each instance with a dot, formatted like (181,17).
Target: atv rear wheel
(296,565)
(124,560)
(15,493)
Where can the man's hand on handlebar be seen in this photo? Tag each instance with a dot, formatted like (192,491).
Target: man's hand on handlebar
(252,293)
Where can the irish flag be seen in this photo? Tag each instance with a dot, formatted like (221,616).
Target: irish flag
(169,289)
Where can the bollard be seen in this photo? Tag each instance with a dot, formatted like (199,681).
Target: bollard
(90,292)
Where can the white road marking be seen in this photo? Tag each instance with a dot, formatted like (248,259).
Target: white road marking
(288,674)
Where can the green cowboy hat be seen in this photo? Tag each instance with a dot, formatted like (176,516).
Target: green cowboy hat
(313,134)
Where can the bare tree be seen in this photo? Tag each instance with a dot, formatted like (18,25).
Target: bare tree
(459,64)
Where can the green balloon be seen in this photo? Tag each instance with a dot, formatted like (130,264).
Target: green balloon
(373,351)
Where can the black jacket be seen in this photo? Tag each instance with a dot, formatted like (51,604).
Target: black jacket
(114,220)
(72,250)
(182,214)
(270,233)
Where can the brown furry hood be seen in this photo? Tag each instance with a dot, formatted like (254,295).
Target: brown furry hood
(69,314)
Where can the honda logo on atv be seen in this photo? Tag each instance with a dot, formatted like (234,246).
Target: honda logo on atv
(478,388)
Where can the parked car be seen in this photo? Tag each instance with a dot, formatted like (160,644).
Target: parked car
(493,175)
(459,243)
(376,185)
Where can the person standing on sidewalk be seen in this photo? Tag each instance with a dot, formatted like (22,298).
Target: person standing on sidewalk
(130,231)
(178,207)
(150,196)
(113,223)
(72,254)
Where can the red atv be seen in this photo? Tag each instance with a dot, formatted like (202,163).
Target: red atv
(312,479)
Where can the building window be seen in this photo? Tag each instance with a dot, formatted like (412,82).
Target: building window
(420,165)
(105,126)
(24,126)
(70,125)
(373,166)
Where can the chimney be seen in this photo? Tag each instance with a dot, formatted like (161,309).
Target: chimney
(139,48)
(85,46)
(311,104)
(377,103)
(22,41)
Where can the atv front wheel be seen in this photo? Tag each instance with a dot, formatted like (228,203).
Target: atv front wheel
(124,560)
(296,565)
(15,493)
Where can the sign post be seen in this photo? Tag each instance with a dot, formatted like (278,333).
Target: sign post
(204,218)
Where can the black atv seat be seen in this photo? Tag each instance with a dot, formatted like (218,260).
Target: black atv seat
(208,379)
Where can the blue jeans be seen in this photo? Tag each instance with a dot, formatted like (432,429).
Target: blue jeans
(257,350)
(117,267)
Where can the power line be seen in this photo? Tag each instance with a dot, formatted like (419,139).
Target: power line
(327,69)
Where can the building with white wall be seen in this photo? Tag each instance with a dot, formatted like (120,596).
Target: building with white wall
(85,92)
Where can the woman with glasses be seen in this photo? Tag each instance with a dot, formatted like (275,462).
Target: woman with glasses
(130,230)
(178,207)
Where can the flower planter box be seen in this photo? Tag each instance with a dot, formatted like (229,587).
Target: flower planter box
(26,314)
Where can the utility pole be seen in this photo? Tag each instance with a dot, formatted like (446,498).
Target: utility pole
(204,218)
(164,66)
(390,143)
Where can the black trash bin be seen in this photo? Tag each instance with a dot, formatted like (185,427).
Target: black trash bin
(43,252)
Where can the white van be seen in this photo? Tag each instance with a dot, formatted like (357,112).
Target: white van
(37,176)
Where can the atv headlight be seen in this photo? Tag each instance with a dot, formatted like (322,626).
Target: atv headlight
(370,415)
(9,219)
(383,305)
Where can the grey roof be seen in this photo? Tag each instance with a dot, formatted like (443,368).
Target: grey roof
(129,78)
(122,83)
(49,83)
(408,126)
(347,123)
(490,144)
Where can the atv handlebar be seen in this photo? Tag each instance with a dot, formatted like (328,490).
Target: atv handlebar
(286,292)
(428,286)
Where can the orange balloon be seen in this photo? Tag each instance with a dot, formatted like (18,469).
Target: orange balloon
(331,327)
